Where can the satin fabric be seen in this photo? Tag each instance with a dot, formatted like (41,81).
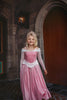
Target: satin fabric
(32,83)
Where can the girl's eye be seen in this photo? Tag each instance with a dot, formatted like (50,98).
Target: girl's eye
(28,39)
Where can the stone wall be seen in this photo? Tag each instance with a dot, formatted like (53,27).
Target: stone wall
(17,35)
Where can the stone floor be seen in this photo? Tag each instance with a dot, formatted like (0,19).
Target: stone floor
(56,96)
(10,90)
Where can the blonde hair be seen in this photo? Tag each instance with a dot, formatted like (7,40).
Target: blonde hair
(35,37)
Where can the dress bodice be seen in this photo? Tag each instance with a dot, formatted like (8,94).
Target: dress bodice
(29,57)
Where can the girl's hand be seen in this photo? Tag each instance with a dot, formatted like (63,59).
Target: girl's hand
(45,72)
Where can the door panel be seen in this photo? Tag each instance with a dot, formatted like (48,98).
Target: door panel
(55,46)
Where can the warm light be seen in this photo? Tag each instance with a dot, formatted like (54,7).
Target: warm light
(21,20)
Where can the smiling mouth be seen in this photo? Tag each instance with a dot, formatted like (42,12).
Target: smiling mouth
(31,42)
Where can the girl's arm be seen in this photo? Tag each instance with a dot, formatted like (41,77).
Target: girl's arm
(22,57)
(40,59)
(41,62)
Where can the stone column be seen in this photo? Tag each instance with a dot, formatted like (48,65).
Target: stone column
(14,44)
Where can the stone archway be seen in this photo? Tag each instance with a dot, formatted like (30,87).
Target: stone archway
(41,17)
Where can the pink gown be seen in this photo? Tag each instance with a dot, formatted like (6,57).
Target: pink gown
(32,82)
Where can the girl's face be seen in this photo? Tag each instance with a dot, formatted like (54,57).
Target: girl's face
(31,41)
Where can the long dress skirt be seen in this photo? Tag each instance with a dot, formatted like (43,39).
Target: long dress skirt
(32,83)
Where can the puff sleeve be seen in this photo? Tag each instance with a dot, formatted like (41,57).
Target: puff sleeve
(40,59)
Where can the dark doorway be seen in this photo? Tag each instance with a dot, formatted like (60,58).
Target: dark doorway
(3,47)
(55,45)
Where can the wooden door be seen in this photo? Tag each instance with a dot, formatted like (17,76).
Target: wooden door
(55,46)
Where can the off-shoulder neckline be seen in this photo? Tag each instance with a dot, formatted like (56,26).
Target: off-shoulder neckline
(36,49)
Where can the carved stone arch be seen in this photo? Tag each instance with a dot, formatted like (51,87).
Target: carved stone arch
(42,15)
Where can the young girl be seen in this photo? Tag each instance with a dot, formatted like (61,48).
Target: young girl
(32,82)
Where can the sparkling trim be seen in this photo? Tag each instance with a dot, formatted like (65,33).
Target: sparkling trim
(30,64)
(24,50)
